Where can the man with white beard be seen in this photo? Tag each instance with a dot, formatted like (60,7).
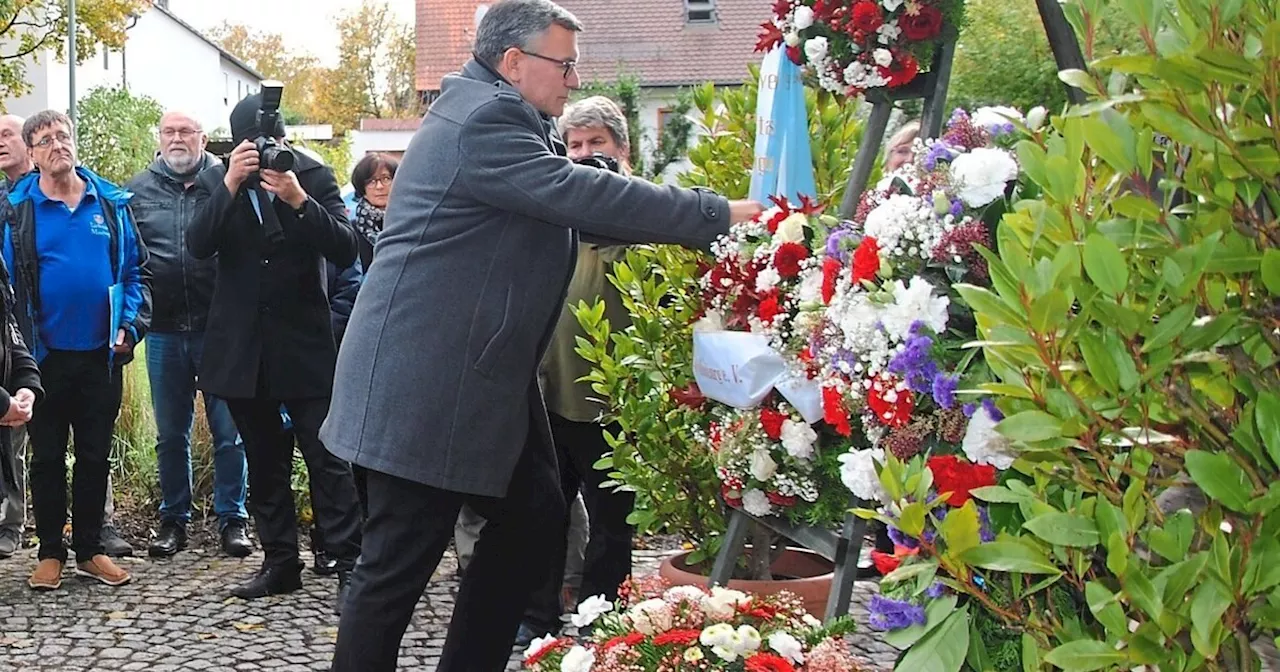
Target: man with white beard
(182,289)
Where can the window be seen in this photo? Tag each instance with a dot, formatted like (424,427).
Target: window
(665,115)
(700,11)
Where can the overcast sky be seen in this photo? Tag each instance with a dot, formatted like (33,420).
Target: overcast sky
(307,25)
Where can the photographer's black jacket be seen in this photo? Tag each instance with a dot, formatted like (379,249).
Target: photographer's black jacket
(269,333)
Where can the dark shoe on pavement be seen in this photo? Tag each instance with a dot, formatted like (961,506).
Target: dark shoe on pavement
(323,564)
(344,587)
(171,538)
(529,632)
(10,541)
(270,581)
(113,545)
(235,539)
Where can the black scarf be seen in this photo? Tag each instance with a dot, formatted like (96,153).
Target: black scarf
(368,220)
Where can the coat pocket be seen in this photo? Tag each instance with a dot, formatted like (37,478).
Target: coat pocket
(496,345)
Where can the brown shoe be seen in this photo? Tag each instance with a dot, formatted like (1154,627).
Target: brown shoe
(48,575)
(101,568)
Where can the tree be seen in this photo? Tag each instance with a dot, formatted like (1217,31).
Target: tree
(27,26)
(115,132)
(375,73)
(672,142)
(266,52)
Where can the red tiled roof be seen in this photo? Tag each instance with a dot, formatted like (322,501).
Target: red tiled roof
(390,124)
(649,38)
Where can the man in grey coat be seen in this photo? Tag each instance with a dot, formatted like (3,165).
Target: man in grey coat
(436,393)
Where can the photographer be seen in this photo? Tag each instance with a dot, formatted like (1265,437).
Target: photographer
(272,217)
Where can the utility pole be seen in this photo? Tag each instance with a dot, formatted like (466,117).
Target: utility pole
(71,57)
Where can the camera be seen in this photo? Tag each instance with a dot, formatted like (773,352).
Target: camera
(271,154)
(599,160)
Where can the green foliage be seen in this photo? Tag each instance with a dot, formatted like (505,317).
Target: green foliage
(27,26)
(336,155)
(1132,328)
(673,138)
(116,132)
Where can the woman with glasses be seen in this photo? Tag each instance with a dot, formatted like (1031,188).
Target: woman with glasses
(371,179)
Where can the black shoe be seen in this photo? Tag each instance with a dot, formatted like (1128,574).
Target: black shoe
(113,545)
(529,632)
(235,539)
(323,564)
(344,587)
(270,581)
(171,538)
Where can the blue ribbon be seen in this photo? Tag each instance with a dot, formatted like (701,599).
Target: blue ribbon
(783,161)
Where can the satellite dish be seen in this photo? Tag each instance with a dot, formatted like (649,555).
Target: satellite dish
(480,12)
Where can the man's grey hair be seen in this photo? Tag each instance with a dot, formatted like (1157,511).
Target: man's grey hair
(42,120)
(597,112)
(517,23)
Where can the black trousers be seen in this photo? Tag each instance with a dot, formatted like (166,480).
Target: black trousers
(607,561)
(409,527)
(82,393)
(269,449)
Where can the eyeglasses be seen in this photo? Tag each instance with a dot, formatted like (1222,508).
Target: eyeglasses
(47,141)
(567,65)
(184,133)
(380,182)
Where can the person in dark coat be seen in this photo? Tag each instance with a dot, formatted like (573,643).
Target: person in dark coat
(19,391)
(437,394)
(269,343)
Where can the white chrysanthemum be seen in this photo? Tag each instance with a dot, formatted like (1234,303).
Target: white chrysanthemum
(810,291)
(590,609)
(858,473)
(882,57)
(792,39)
(722,604)
(787,646)
(578,659)
(677,594)
(815,48)
(762,465)
(984,445)
(756,503)
(889,32)
(802,17)
(994,117)
(651,616)
(767,279)
(791,229)
(981,175)
(857,316)
(914,302)
(798,438)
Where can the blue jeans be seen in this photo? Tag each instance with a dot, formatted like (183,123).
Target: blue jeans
(173,361)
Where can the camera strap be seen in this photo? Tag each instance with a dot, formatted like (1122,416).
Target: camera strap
(266,216)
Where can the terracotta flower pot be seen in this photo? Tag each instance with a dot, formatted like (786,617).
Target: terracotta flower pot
(801,572)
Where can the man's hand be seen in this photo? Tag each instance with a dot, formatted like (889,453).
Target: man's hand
(242,164)
(122,346)
(17,415)
(285,186)
(741,211)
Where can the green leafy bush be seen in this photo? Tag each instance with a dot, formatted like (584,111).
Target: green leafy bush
(116,132)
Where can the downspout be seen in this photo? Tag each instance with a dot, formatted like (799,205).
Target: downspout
(124,52)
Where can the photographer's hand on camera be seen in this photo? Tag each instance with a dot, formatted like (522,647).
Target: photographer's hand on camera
(285,186)
(242,163)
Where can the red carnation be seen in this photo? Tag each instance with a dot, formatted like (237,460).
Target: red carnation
(562,643)
(867,16)
(690,396)
(732,496)
(785,501)
(866,260)
(794,53)
(885,562)
(677,637)
(769,308)
(833,411)
(788,257)
(925,24)
(903,69)
(951,475)
(891,405)
(767,662)
(830,274)
(771,419)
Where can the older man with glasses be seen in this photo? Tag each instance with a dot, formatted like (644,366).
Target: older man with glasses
(164,205)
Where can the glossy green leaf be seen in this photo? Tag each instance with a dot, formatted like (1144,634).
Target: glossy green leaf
(1105,265)
(943,649)
(1271,271)
(1267,420)
(908,571)
(1174,539)
(1030,426)
(1141,592)
(1220,478)
(934,612)
(1210,602)
(1170,327)
(1084,655)
(1009,556)
(1105,606)
(1064,529)
(960,528)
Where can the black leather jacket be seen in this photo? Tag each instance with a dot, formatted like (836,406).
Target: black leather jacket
(181,286)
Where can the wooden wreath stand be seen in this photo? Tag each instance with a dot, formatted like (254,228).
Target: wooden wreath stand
(844,547)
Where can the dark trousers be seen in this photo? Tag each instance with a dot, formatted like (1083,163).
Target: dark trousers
(409,527)
(82,393)
(608,556)
(269,449)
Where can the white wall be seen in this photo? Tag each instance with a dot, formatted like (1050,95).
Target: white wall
(162,59)
(651,102)
(363,142)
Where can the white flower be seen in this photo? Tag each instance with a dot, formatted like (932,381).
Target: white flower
(802,17)
(891,5)
(712,321)
(578,659)
(858,473)
(810,291)
(748,639)
(811,621)
(767,279)
(982,174)
(992,118)
(762,466)
(787,646)
(984,445)
(889,32)
(678,594)
(882,57)
(792,39)
(651,616)
(756,503)
(1036,117)
(798,438)
(816,49)
(590,609)
(902,220)
(722,604)
(791,229)
(729,644)
(911,303)
(538,645)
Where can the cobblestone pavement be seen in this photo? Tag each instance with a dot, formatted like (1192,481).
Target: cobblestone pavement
(176,616)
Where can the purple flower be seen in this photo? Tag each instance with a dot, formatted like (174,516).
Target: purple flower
(935,591)
(969,410)
(957,207)
(845,357)
(890,614)
(914,364)
(984,526)
(900,538)
(990,405)
(958,115)
(938,151)
(944,390)
(835,247)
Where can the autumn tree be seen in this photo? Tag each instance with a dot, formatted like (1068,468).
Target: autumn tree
(375,73)
(302,74)
(28,26)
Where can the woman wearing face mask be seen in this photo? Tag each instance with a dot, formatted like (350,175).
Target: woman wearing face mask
(371,179)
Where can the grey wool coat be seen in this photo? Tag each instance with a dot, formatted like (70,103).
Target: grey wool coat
(436,379)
